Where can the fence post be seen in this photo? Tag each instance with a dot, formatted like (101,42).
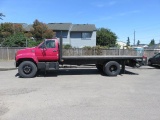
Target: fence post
(118,51)
(7,53)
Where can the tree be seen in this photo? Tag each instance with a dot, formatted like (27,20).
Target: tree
(18,28)
(48,34)
(1,15)
(41,31)
(128,42)
(152,42)
(15,40)
(6,30)
(105,37)
(67,46)
(138,42)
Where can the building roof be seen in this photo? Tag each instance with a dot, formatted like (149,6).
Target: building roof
(156,46)
(59,26)
(83,27)
(28,27)
(140,45)
(66,27)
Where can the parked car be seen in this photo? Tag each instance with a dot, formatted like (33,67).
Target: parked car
(155,60)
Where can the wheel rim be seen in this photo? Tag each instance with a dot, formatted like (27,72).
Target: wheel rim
(27,69)
(113,68)
(149,62)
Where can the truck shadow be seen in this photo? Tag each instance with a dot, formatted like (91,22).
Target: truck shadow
(80,71)
(68,72)
(155,66)
(128,73)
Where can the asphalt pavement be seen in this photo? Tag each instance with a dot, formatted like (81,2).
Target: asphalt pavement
(80,94)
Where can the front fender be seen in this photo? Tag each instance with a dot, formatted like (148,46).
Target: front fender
(28,56)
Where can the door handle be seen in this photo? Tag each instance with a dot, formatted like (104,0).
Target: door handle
(54,50)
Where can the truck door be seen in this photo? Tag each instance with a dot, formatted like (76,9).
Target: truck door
(51,51)
(48,52)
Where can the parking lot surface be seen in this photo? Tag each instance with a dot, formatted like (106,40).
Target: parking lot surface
(81,94)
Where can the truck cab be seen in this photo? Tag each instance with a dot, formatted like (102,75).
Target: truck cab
(44,56)
(48,51)
(155,60)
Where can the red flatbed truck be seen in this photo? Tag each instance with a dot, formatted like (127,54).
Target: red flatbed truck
(48,56)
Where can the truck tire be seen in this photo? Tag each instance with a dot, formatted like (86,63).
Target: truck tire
(149,63)
(27,69)
(99,67)
(111,68)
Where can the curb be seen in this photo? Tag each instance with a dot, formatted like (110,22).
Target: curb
(6,69)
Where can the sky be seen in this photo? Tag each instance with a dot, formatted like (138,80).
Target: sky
(123,17)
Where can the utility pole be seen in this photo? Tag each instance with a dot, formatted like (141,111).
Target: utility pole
(134,36)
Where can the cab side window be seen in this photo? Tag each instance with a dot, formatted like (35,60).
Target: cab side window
(50,44)
(157,56)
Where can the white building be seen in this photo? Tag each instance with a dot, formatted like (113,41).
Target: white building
(122,45)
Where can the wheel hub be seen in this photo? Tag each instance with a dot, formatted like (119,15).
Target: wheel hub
(27,69)
(113,68)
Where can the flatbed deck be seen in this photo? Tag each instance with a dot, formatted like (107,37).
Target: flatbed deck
(78,60)
(102,57)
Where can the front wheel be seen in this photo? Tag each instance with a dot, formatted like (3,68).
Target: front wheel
(111,68)
(27,69)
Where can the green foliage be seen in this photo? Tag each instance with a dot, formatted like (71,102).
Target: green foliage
(18,28)
(1,15)
(87,47)
(98,50)
(7,29)
(138,42)
(28,34)
(15,40)
(105,37)
(152,42)
(14,35)
(67,46)
(40,31)
(87,50)
(48,34)
(32,43)
(128,42)
(19,40)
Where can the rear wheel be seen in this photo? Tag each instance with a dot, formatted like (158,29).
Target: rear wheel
(27,69)
(111,68)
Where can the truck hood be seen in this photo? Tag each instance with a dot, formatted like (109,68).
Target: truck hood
(26,50)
